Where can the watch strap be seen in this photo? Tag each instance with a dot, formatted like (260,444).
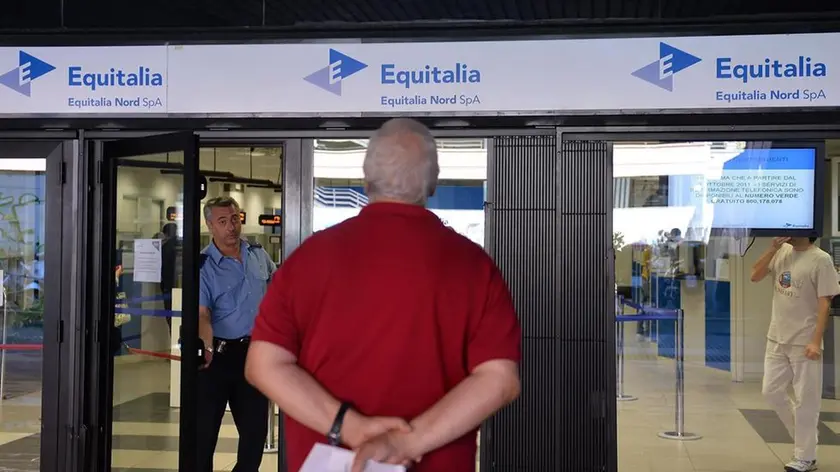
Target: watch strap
(334,436)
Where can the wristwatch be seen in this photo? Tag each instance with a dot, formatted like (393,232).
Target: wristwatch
(334,436)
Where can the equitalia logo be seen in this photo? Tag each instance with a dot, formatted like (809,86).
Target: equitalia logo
(341,66)
(661,72)
(29,68)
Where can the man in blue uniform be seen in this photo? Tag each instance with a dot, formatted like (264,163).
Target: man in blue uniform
(234,277)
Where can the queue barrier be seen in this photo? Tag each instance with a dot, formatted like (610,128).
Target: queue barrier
(121,310)
(121,307)
(271,439)
(657,314)
(21,347)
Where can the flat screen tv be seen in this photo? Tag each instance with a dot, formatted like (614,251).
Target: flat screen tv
(767,189)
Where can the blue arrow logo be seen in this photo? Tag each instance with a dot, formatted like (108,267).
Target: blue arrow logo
(29,68)
(341,66)
(661,72)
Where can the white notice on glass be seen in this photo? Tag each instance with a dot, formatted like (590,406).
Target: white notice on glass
(147,260)
(324,458)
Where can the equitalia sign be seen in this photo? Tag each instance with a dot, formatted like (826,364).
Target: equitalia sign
(550,77)
(29,68)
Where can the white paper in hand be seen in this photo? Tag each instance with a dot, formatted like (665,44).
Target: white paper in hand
(324,458)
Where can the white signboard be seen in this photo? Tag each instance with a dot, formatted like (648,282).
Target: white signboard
(466,77)
(74,80)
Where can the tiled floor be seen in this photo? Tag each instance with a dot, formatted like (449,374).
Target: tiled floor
(739,432)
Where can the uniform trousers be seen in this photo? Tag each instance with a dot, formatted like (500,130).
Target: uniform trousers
(222,383)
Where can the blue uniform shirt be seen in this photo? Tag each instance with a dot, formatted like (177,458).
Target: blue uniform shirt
(233,290)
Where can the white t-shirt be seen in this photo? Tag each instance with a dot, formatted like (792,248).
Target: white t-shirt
(800,278)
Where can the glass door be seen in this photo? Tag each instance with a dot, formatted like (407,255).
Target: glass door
(148,320)
(30,302)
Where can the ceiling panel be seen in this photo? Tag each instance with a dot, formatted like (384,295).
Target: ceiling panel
(286,13)
(253,163)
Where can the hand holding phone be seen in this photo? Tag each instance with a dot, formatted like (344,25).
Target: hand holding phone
(779,242)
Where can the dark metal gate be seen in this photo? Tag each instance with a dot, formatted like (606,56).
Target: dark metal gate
(549,216)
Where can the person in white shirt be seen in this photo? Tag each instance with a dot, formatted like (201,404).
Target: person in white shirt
(804,283)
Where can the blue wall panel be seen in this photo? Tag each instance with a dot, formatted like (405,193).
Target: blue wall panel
(667,295)
(131,331)
(457,198)
(718,328)
(449,197)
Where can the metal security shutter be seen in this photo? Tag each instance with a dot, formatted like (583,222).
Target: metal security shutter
(585,330)
(521,238)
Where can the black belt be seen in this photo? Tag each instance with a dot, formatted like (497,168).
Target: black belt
(221,345)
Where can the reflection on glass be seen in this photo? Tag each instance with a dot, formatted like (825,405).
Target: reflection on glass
(149,229)
(458,200)
(681,220)
(150,197)
(22,231)
(252,176)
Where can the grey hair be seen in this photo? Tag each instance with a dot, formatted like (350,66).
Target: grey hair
(219,202)
(396,168)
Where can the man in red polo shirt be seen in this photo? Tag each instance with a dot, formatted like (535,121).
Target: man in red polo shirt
(389,333)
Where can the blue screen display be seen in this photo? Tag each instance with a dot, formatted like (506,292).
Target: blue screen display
(756,189)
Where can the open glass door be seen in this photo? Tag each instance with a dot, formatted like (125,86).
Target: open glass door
(148,321)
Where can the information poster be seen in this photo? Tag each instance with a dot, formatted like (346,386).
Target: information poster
(754,189)
(764,189)
(148,261)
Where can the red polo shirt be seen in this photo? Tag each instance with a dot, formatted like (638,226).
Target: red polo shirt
(389,310)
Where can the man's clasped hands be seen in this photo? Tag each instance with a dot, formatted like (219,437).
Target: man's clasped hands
(382,439)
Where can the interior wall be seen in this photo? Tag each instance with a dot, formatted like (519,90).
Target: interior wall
(253,200)
(726,315)
(148,184)
(754,312)
(142,194)
(831,352)
(142,198)
(756,307)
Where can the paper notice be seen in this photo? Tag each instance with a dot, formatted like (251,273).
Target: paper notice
(324,458)
(147,260)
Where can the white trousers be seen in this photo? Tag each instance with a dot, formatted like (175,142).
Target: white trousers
(786,366)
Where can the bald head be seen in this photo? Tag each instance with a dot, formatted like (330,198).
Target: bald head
(401,163)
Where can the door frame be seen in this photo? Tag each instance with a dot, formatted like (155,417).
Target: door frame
(57,153)
(771,133)
(100,370)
